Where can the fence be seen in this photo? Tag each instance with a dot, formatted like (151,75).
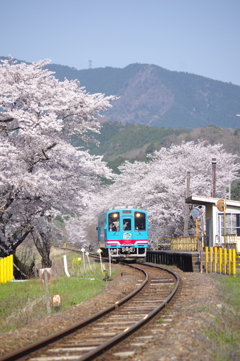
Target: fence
(177,244)
(228,238)
(6,269)
(221,260)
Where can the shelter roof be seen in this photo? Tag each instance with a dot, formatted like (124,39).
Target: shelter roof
(194,199)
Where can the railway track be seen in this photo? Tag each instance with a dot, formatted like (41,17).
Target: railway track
(88,339)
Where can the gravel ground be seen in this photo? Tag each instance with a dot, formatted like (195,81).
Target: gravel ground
(179,335)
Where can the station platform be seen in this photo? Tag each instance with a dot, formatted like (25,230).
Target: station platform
(187,261)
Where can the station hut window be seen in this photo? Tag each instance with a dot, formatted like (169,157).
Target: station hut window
(232,223)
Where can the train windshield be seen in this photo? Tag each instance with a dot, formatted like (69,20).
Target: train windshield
(140,221)
(127,224)
(113,221)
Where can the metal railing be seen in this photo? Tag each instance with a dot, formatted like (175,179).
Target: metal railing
(221,260)
(227,239)
(6,269)
(177,244)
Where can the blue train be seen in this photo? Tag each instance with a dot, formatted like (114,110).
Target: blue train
(123,232)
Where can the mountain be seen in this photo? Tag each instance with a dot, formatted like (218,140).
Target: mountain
(154,96)
(151,95)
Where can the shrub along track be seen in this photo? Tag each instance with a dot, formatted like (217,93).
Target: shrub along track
(93,336)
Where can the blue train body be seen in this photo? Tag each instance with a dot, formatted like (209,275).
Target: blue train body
(123,232)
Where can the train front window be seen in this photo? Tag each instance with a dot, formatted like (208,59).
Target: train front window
(127,224)
(140,221)
(113,221)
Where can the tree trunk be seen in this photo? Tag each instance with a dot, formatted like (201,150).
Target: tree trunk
(22,271)
(43,245)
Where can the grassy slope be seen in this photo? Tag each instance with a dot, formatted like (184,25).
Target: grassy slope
(21,302)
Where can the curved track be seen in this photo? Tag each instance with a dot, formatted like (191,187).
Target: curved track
(90,338)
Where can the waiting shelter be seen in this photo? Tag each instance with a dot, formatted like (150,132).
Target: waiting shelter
(222,220)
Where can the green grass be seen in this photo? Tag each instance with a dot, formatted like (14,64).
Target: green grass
(231,289)
(21,302)
(224,331)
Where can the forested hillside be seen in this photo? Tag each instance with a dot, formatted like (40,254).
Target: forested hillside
(135,140)
(131,142)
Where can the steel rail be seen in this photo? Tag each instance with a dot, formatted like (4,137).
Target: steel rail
(24,351)
(136,326)
(18,354)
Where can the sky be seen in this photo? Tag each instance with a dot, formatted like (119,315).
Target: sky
(196,36)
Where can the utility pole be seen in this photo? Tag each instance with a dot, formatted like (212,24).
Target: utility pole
(186,217)
(214,164)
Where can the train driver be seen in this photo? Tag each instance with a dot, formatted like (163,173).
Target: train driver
(112,227)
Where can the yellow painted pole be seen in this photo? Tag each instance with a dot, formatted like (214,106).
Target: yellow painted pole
(12,274)
(211,259)
(7,268)
(206,259)
(220,260)
(234,262)
(229,261)
(225,260)
(196,233)
(215,259)
(10,267)
(224,222)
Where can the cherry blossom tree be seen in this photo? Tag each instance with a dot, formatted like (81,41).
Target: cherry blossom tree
(159,185)
(41,173)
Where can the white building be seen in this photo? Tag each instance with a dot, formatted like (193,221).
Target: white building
(218,225)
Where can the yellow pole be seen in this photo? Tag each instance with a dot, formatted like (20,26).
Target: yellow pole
(206,258)
(229,261)
(234,262)
(197,233)
(10,270)
(220,260)
(7,268)
(211,259)
(12,267)
(214,259)
(225,260)
(224,220)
